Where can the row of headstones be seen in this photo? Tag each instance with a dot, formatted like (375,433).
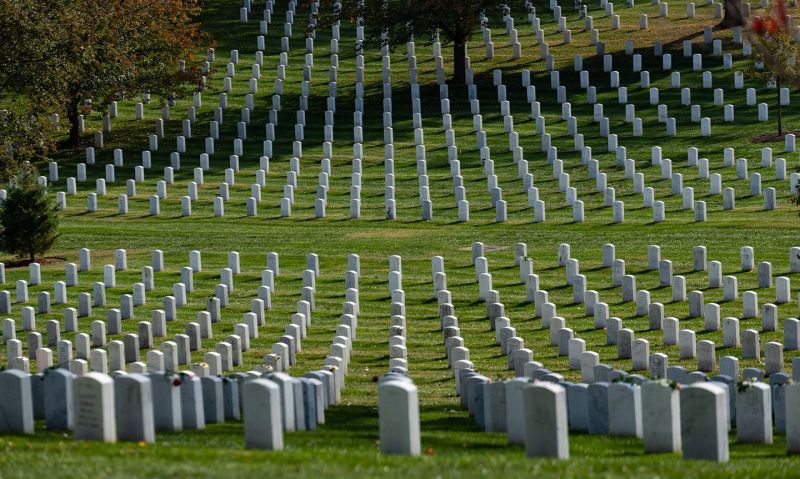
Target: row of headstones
(578,62)
(320,204)
(629,48)
(619,206)
(424,186)
(389,176)
(675,82)
(655,263)
(627,346)
(128,350)
(156,207)
(341,347)
(398,402)
(176,161)
(452,153)
(514,147)
(229,73)
(287,14)
(421,156)
(648,193)
(128,302)
(398,351)
(224,190)
(588,26)
(623,161)
(602,373)
(205,69)
(693,418)
(228,353)
(457,354)
(72,270)
(288,199)
(290,13)
(250,207)
(688,193)
(534,201)
(653,255)
(133,407)
(148,273)
(511,345)
(678,283)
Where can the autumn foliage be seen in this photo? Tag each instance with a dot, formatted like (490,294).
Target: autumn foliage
(774,42)
(60,53)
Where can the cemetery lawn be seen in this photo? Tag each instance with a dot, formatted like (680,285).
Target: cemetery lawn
(346,446)
(348,443)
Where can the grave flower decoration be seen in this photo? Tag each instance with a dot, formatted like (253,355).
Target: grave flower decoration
(665,382)
(745,385)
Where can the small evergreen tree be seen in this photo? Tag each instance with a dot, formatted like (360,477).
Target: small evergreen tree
(28,217)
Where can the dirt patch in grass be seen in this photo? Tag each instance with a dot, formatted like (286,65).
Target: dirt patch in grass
(20,263)
(775,136)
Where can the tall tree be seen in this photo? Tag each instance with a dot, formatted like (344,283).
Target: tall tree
(395,22)
(60,53)
(28,217)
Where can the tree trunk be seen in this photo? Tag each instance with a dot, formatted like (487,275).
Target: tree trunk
(33,257)
(73,115)
(734,15)
(459,61)
(780,113)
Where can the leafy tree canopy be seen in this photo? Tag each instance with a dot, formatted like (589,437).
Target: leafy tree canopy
(59,53)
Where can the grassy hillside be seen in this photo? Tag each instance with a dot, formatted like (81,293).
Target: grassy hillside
(347,444)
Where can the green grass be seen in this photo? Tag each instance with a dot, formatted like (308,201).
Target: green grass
(347,444)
